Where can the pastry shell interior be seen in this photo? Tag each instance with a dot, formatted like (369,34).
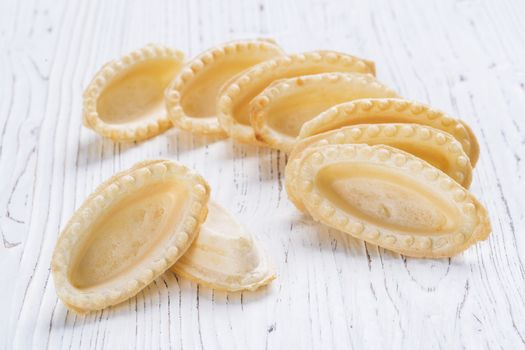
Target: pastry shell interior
(125,99)
(191,98)
(129,231)
(224,256)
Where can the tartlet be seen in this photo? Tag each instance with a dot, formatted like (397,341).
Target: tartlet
(134,227)
(224,256)
(191,97)
(125,99)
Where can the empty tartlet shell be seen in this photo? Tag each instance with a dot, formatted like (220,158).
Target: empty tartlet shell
(76,238)
(234,99)
(414,138)
(317,93)
(471,222)
(392,110)
(224,256)
(237,56)
(117,70)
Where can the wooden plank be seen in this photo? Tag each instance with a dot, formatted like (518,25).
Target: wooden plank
(466,57)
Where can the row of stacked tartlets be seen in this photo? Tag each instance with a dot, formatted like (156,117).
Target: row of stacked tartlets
(363,160)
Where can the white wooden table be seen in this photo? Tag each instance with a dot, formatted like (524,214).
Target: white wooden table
(466,57)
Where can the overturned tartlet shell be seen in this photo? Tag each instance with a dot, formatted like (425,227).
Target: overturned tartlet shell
(278,125)
(111,72)
(417,236)
(224,256)
(233,101)
(392,110)
(74,242)
(415,139)
(238,55)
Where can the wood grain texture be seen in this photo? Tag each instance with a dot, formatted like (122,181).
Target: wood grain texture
(465,57)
